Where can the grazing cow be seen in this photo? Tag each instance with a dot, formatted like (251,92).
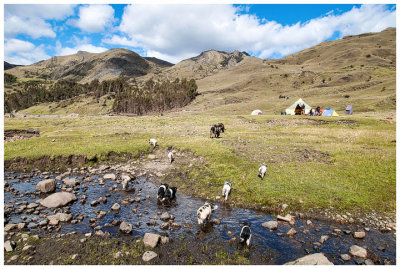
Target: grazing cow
(245,235)
(221,127)
(214,131)
(125,180)
(171,156)
(262,170)
(226,190)
(171,193)
(162,191)
(154,142)
(204,212)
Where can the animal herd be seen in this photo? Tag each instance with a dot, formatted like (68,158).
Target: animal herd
(168,194)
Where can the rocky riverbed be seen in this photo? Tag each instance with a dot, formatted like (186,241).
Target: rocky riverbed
(88,205)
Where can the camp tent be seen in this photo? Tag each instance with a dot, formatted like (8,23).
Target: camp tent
(256,112)
(349,110)
(295,109)
(329,112)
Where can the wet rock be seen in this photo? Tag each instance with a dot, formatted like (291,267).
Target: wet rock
(165,216)
(43,222)
(97,228)
(165,226)
(53,219)
(338,231)
(116,207)
(291,232)
(149,255)
(234,239)
(32,225)
(71,181)
(176,225)
(10,226)
(347,232)
(9,245)
(74,221)
(313,259)
(94,203)
(137,224)
(32,205)
(323,239)
(288,218)
(109,176)
(359,235)
(309,222)
(381,249)
(58,199)
(151,240)
(115,222)
(125,227)
(359,261)
(216,221)
(345,257)
(21,225)
(271,225)
(46,186)
(358,251)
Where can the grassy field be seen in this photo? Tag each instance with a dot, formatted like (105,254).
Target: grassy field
(348,163)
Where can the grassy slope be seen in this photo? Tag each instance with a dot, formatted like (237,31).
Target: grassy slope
(348,166)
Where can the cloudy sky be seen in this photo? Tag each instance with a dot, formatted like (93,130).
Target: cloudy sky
(176,32)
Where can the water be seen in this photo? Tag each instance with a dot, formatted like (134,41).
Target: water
(280,248)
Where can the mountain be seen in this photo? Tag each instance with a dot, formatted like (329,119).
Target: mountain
(85,67)
(9,66)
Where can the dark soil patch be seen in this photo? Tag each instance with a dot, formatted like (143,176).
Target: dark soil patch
(13,134)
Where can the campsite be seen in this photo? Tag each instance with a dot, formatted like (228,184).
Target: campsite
(209,153)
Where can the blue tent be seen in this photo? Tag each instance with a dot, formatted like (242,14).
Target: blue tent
(329,112)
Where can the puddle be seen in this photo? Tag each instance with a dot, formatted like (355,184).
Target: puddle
(276,245)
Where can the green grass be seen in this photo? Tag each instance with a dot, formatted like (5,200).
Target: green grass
(350,166)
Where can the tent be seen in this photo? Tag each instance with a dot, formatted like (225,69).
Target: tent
(295,109)
(349,110)
(256,112)
(329,112)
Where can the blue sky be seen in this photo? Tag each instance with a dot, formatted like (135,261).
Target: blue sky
(176,32)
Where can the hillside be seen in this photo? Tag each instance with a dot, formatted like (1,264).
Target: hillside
(85,67)
(9,66)
(358,70)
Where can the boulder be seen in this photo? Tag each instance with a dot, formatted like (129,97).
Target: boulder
(289,218)
(125,227)
(9,245)
(165,216)
(47,185)
(271,225)
(59,217)
(71,181)
(151,240)
(358,251)
(10,226)
(149,255)
(58,199)
(110,176)
(312,259)
(359,235)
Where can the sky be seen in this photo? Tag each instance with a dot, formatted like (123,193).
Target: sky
(176,32)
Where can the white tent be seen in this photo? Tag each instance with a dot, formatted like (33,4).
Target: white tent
(291,110)
(256,112)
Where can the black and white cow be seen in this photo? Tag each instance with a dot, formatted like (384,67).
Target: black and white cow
(162,191)
(204,212)
(226,190)
(245,235)
(262,170)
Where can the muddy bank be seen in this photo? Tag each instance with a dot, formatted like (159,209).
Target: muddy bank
(14,135)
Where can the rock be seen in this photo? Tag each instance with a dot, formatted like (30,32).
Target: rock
(164,240)
(116,207)
(28,247)
(313,259)
(32,205)
(21,225)
(271,225)
(234,239)
(369,262)
(125,227)
(71,181)
(337,231)
(45,186)
(58,199)
(73,257)
(324,238)
(151,240)
(345,257)
(54,219)
(43,222)
(87,235)
(165,216)
(309,222)
(284,206)
(118,254)
(216,221)
(9,245)
(358,251)
(151,157)
(149,255)
(347,232)
(359,235)
(291,232)
(359,261)
(115,222)
(289,218)
(10,226)
(13,258)
(94,203)
(109,176)
(217,197)
(164,226)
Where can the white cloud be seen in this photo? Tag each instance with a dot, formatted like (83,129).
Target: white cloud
(176,31)
(18,51)
(94,18)
(31,19)
(80,45)
(120,40)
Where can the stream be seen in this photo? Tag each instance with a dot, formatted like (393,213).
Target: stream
(278,246)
